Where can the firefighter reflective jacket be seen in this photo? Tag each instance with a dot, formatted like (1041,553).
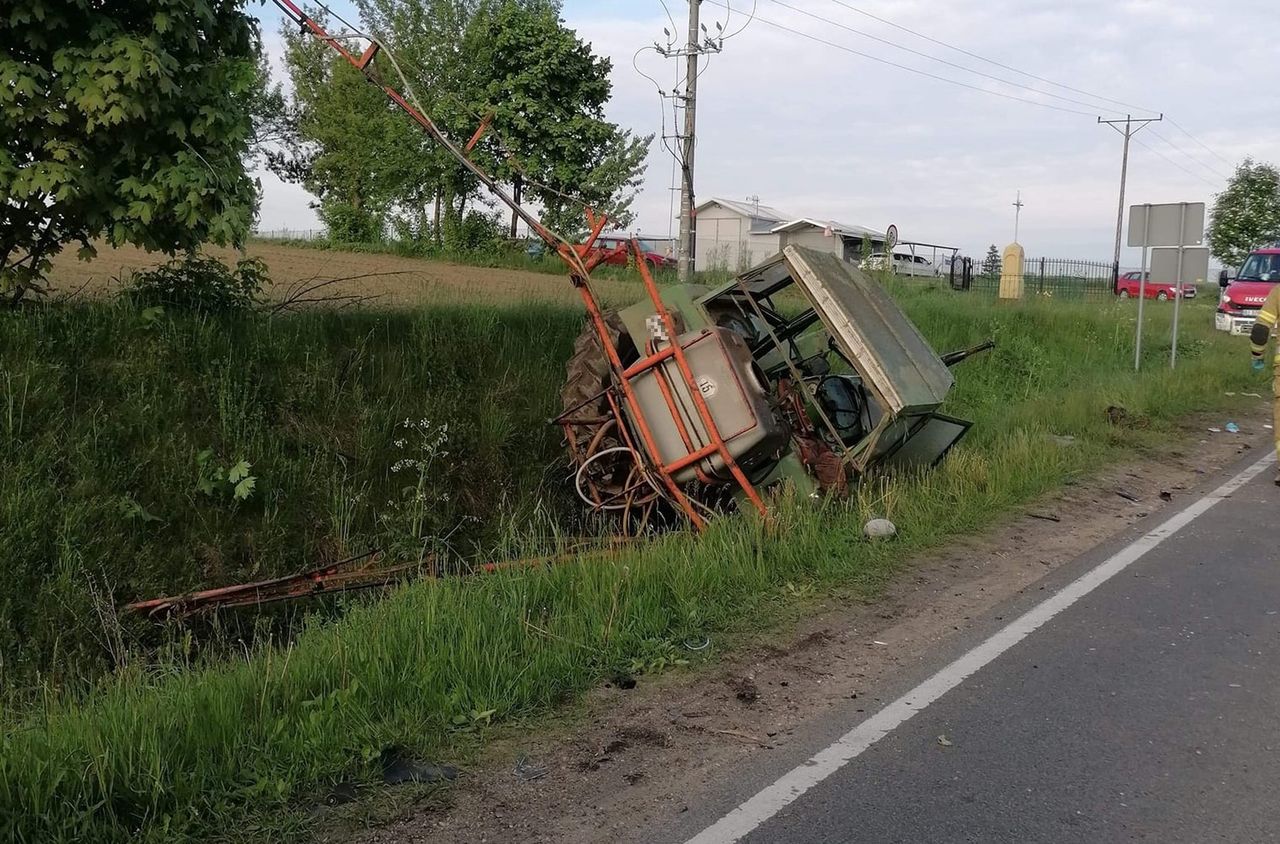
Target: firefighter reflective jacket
(1267,318)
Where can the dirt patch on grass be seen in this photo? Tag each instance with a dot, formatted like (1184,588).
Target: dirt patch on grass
(603,781)
(395,281)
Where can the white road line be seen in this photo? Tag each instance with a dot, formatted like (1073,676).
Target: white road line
(775,797)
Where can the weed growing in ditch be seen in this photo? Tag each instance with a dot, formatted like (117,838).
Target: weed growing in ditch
(411,519)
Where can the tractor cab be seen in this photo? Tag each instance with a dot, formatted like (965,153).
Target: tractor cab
(809,366)
(859,383)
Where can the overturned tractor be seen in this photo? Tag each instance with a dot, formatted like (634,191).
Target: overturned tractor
(800,370)
(810,373)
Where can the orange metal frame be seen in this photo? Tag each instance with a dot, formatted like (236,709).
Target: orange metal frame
(580,267)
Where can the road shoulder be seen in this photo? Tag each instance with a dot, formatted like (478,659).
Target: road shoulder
(632,759)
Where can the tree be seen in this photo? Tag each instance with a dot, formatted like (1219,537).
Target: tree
(1246,214)
(466,59)
(274,122)
(126,122)
(611,185)
(426,37)
(991,263)
(351,147)
(546,91)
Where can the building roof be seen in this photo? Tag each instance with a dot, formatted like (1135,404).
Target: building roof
(844,229)
(748,209)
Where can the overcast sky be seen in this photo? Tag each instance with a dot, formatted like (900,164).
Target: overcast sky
(821,132)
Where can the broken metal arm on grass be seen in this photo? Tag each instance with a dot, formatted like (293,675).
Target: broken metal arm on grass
(353,574)
(360,572)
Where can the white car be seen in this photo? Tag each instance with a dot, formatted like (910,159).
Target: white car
(904,263)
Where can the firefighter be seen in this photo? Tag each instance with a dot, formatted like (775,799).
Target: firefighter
(1261,333)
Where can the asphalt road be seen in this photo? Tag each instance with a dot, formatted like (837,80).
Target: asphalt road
(1148,710)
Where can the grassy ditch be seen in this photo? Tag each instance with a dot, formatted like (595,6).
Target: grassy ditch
(175,749)
(423,432)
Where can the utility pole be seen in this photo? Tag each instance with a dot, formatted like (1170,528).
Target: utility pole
(688,230)
(1017,215)
(1131,128)
(697,43)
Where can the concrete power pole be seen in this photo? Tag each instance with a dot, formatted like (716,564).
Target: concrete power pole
(1131,128)
(696,44)
(688,226)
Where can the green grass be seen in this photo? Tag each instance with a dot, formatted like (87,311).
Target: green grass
(103,413)
(171,750)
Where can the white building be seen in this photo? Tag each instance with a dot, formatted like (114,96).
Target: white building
(843,239)
(737,235)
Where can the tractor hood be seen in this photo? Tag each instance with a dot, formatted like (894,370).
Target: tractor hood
(888,351)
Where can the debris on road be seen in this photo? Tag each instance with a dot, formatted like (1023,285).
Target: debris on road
(695,645)
(1047,517)
(880,529)
(527,771)
(398,767)
(1233,428)
(745,689)
(341,794)
(944,741)
(1127,496)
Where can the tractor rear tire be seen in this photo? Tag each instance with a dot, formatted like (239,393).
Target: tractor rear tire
(613,475)
(588,371)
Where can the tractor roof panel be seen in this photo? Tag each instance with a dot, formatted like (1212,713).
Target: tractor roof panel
(888,351)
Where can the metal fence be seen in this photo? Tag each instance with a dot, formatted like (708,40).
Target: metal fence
(291,234)
(1050,277)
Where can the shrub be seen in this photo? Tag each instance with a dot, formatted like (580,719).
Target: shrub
(199,283)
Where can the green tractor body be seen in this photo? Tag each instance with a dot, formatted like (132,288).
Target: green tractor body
(812,375)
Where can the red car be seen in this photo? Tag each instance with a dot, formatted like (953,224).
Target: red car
(657,254)
(1129,286)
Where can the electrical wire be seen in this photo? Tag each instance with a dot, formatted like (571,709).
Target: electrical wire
(1175,125)
(990,61)
(662,96)
(910,69)
(674,29)
(1187,155)
(992,77)
(739,30)
(1157,152)
(933,58)
(1099,97)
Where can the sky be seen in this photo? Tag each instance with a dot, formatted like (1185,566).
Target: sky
(818,131)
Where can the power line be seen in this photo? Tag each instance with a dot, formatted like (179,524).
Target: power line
(990,61)
(668,11)
(1045,80)
(739,30)
(1190,173)
(1188,155)
(933,58)
(998,79)
(1175,125)
(910,69)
